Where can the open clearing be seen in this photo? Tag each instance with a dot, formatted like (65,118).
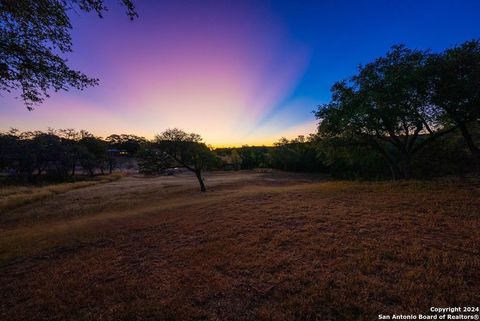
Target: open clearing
(256,246)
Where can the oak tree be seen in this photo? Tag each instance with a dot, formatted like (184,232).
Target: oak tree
(34,38)
(187,150)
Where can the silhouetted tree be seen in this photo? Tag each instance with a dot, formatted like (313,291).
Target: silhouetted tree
(253,156)
(31,154)
(49,156)
(121,146)
(351,157)
(386,103)
(455,75)
(298,154)
(92,154)
(187,150)
(14,155)
(129,143)
(72,150)
(152,161)
(33,35)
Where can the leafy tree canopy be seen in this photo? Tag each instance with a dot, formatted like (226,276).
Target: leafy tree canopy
(34,34)
(455,78)
(188,150)
(387,102)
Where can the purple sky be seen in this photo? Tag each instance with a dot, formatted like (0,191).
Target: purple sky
(236,72)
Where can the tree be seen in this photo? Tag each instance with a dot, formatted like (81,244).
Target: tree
(252,156)
(235,159)
(187,150)
(129,143)
(455,75)
(31,154)
(152,161)
(350,157)
(33,36)
(11,155)
(72,149)
(48,153)
(386,103)
(92,154)
(297,154)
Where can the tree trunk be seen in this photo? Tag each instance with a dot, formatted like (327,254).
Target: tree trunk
(394,168)
(203,188)
(470,143)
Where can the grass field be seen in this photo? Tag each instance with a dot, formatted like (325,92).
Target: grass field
(256,246)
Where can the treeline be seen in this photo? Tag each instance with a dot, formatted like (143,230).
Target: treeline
(351,158)
(299,154)
(64,154)
(61,154)
(410,113)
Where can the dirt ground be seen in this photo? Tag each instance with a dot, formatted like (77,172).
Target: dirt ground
(255,246)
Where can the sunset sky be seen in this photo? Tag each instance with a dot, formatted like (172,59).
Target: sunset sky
(236,72)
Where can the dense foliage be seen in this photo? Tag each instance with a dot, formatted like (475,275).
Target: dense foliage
(455,80)
(61,154)
(64,154)
(403,102)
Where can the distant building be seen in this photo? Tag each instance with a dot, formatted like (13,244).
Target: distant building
(117,152)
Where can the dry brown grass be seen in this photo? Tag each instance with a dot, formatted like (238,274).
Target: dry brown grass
(14,196)
(258,246)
